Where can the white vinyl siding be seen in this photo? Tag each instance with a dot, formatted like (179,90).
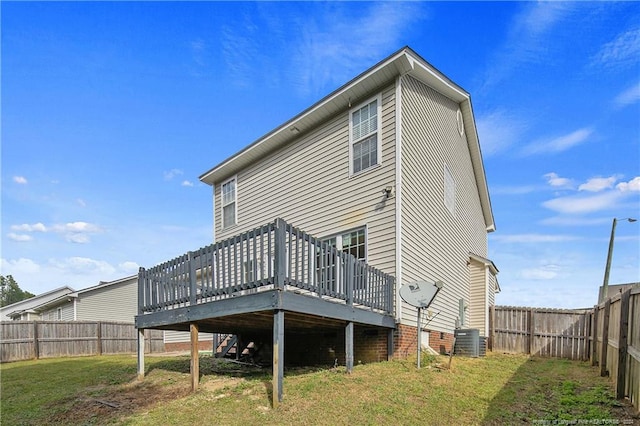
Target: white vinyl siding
(435,243)
(63,312)
(229,203)
(449,191)
(478,303)
(307,184)
(114,302)
(364,138)
(184,336)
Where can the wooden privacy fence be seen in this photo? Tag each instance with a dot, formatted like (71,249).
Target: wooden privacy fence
(560,333)
(21,340)
(608,335)
(616,333)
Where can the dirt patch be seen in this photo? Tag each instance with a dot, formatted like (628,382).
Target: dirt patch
(221,383)
(113,403)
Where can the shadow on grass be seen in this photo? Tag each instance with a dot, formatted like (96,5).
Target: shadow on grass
(555,391)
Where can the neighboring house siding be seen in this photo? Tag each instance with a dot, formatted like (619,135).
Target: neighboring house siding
(117,302)
(307,183)
(31,303)
(436,243)
(65,313)
(185,336)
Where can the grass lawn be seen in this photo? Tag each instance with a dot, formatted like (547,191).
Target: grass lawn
(497,389)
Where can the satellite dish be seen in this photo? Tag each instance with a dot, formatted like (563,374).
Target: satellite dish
(420,293)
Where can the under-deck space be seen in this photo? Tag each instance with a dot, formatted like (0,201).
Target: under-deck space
(264,284)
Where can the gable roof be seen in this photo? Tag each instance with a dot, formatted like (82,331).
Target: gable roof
(404,61)
(28,305)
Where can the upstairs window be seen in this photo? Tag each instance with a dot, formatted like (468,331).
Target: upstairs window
(228,196)
(365,141)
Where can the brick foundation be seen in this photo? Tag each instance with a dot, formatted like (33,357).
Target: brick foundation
(405,341)
(369,345)
(441,342)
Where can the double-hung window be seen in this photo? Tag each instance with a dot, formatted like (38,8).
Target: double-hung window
(352,242)
(228,196)
(364,136)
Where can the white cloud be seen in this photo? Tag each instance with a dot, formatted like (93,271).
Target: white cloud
(19,266)
(129,267)
(498,131)
(187,183)
(628,97)
(172,173)
(632,186)
(19,237)
(623,51)
(574,221)
(20,180)
(534,238)
(578,204)
(331,44)
(558,182)
(560,143)
(77,227)
(544,273)
(528,39)
(25,227)
(81,202)
(83,265)
(325,58)
(598,184)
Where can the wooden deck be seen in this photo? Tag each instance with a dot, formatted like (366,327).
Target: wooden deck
(271,278)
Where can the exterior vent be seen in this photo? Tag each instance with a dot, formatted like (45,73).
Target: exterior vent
(469,343)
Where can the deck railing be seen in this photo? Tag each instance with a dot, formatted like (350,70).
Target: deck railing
(273,256)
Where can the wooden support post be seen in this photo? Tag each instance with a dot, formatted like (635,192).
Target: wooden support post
(622,344)
(195,356)
(278,357)
(99,337)
(605,338)
(530,331)
(594,335)
(36,344)
(140,353)
(348,337)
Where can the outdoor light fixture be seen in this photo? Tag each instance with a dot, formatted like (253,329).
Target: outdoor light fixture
(387,191)
(607,269)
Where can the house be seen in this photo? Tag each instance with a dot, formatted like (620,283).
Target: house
(385,184)
(106,301)
(25,310)
(390,160)
(110,301)
(612,290)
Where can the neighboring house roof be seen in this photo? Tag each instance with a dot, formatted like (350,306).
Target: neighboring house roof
(404,61)
(104,284)
(69,296)
(28,305)
(612,290)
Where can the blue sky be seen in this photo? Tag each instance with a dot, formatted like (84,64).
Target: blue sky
(111,111)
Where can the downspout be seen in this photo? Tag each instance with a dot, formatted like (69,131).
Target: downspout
(398,192)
